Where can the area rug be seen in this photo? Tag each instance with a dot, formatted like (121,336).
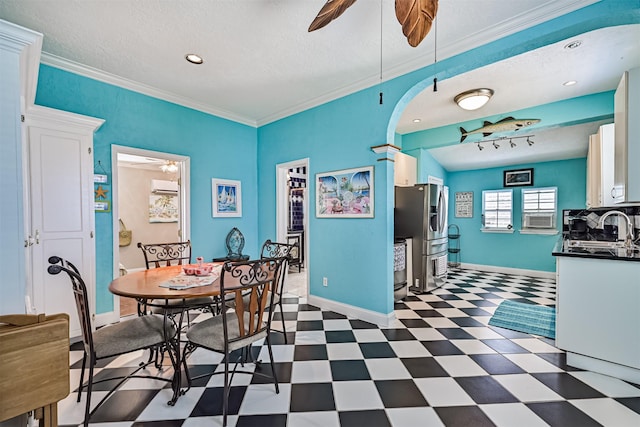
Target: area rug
(528,318)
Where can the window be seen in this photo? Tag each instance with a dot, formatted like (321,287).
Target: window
(497,210)
(539,208)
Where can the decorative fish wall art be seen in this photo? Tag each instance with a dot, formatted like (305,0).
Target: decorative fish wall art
(505,125)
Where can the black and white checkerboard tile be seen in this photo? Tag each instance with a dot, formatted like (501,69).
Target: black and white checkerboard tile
(439,364)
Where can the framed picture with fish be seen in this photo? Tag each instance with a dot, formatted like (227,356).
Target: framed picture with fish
(345,194)
(518,178)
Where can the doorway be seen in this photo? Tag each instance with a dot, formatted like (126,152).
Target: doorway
(292,216)
(150,203)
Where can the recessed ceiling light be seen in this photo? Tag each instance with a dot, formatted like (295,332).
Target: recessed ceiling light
(416,120)
(569,83)
(573,44)
(194,59)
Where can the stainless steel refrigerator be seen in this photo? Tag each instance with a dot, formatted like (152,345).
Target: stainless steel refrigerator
(421,214)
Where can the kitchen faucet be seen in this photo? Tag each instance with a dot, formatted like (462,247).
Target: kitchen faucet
(629,238)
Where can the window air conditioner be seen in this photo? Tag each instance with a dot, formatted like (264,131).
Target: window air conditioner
(159,186)
(538,220)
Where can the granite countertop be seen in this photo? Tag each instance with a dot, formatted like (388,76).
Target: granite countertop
(562,249)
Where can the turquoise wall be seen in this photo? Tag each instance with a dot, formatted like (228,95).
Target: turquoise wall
(218,148)
(353,254)
(515,250)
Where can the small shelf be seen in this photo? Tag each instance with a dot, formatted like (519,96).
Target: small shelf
(453,232)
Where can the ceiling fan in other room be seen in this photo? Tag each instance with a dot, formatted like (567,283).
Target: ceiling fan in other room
(415,16)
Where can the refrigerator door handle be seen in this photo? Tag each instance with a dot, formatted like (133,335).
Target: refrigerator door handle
(441,215)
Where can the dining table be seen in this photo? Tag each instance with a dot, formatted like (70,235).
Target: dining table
(161,287)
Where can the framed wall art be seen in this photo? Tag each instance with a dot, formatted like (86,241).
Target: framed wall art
(464,204)
(163,208)
(226,198)
(345,193)
(518,178)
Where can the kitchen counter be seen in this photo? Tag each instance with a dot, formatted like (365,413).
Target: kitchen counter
(562,249)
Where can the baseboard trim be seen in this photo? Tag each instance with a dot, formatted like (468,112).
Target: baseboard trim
(351,311)
(508,270)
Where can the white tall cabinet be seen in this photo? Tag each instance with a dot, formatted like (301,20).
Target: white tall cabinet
(60,207)
(46,171)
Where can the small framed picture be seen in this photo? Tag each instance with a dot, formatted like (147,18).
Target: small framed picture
(100,178)
(226,198)
(102,206)
(518,178)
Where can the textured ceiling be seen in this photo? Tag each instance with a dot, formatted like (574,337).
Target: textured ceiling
(261,64)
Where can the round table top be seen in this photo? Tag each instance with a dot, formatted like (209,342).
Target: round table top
(146,284)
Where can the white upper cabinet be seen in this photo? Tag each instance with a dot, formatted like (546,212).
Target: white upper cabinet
(405,170)
(627,138)
(600,168)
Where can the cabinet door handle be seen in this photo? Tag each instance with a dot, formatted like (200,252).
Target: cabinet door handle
(613,192)
(37,237)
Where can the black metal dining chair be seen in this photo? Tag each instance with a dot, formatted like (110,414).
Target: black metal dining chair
(238,327)
(279,250)
(163,255)
(140,333)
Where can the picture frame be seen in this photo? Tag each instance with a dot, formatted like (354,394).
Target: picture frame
(226,198)
(163,208)
(464,204)
(102,206)
(518,177)
(347,193)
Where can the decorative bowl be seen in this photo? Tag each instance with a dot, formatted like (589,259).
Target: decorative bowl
(194,270)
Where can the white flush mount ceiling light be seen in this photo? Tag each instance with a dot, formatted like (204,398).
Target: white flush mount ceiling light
(569,83)
(169,167)
(473,99)
(194,59)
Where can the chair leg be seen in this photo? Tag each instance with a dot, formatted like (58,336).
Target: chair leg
(87,407)
(284,329)
(227,389)
(273,367)
(84,364)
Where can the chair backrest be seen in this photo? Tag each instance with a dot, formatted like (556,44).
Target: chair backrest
(252,281)
(234,243)
(165,254)
(80,294)
(279,250)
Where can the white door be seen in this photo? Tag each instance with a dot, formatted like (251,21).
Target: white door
(60,214)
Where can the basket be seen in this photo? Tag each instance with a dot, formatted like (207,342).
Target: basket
(124,235)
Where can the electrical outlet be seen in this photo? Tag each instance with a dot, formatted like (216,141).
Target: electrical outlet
(325,281)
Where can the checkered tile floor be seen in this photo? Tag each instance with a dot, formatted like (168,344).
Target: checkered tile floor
(439,364)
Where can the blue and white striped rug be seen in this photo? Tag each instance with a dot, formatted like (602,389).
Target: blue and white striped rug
(528,318)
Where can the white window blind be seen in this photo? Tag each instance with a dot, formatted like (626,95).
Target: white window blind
(497,209)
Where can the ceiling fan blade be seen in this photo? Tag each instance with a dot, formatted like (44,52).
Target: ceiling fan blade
(416,17)
(331,10)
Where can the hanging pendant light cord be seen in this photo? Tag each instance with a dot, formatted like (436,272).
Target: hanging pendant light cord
(380,52)
(435,54)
